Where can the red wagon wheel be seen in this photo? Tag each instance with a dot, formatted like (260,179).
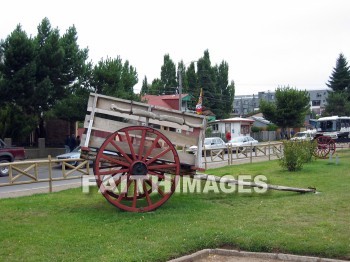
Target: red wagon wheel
(325,146)
(137,169)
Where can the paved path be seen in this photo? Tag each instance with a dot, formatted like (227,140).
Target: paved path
(225,255)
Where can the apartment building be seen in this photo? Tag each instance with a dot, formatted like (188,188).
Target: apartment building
(247,104)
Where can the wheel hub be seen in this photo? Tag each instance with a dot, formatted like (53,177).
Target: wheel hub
(139,169)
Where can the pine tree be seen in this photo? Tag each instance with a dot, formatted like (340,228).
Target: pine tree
(144,87)
(340,78)
(168,76)
(206,81)
(338,101)
(17,85)
(192,80)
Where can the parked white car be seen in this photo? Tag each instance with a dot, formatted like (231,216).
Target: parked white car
(75,153)
(210,143)
(241,141)
(305,135)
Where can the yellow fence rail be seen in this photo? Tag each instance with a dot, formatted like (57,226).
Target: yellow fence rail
(231,154)
(37,171)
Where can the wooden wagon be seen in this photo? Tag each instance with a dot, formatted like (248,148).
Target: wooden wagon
(139,150)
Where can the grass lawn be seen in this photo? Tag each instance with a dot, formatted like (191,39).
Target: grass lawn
(70,225)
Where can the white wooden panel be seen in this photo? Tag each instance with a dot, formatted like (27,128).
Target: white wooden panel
(112,126)
(140,111)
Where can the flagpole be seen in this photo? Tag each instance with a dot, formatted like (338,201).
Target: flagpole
(199,106)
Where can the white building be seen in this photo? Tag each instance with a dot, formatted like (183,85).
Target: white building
(236,126)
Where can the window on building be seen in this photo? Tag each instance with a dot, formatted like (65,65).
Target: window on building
(244,129)
(316,102)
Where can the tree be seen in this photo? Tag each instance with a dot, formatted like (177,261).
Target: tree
(290,108)
(49,60)
(144,87)
(61,73)
(340,78)
(15,123)
(78,74)
(338,101)
(191,80)
(17,85)
(338,104)
(72,108)
(156,87)
(228,98)
(74,57)
(113,78)
(225,91)
(168,76)
(37,73)
(217,93)
(18,70)
(205,76)
(128,80)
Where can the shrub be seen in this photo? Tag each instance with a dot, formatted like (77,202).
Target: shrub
(271,127)
(256,129)
(296,154)
(208,131)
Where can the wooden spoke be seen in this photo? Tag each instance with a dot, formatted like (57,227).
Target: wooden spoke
(130,144)
(121,151)
(154,144)
(146,193)
(112,172)
(158,156)
(114,161)
(142,143)
(164,166)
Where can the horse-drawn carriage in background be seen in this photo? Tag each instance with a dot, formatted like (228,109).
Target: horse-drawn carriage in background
(329,131)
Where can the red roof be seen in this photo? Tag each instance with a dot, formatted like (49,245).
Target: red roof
(167,101)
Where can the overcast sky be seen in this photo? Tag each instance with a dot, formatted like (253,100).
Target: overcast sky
(266,43)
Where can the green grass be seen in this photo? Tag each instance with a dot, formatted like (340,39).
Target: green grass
(70,225)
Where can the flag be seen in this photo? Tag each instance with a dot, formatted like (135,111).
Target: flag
(199,104)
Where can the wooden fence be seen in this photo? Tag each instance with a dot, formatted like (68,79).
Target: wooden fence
(36,171)
(28,172)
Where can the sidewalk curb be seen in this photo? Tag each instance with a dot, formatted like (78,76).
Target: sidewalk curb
(235,253)
(38,190)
